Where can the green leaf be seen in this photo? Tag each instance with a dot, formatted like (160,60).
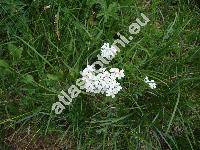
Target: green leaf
(27,79)
(4,64)
(53,77)
(15,51)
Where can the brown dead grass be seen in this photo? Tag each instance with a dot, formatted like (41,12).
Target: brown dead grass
(24,141)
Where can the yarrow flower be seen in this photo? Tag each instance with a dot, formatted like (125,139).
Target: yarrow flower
(104,82)
(151,83)
(107,51)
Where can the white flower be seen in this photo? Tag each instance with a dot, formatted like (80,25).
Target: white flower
(107,51)
(151,83)
(104,82)
(87,70)
(47,7)
(117,73)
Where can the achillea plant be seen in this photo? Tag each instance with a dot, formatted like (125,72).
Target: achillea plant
(104,82)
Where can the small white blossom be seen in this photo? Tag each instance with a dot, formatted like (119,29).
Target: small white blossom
(118,73)
(107,51)
(151,83)
(47,7)
(104,82)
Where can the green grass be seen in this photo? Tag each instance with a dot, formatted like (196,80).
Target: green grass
(41,55)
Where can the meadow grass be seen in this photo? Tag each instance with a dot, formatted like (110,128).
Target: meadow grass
(45,44)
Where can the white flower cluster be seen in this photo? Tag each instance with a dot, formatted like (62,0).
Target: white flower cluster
(151,83)
(104,81)
(107,51)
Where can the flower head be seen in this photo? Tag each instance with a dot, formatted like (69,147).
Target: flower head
(104,82)
(151,83)
(107,51)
